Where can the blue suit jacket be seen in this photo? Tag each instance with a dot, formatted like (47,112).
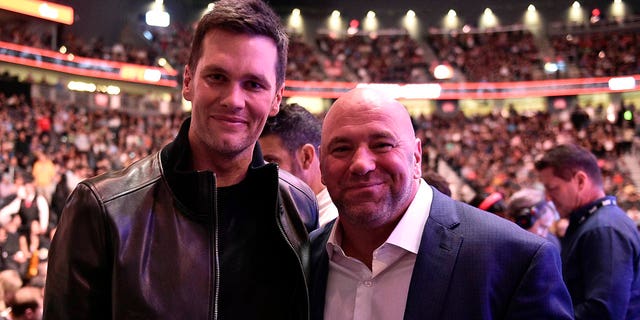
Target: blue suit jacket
(471,265)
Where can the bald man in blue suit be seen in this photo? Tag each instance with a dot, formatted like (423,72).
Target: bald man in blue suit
(402,250)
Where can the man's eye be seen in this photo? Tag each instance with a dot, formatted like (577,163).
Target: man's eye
(216,77)
(383,146)
(254,85)
(340,150)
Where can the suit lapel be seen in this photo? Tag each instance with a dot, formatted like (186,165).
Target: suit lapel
(436,258)
(319,270)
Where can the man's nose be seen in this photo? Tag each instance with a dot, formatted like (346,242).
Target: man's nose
(363,161)
(234,96)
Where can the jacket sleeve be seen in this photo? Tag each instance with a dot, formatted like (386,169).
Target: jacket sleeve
(608,273)
(304,200)
(542,293)
(78,281)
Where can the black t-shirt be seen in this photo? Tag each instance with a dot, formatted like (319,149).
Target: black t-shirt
(250,278)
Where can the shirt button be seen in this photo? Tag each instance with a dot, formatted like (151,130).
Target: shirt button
(368,283)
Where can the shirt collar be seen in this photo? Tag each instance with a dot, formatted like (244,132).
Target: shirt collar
(324,199)
(335,239)
(407,234)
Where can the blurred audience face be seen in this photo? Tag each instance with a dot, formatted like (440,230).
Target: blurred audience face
(232,90)
(27,304)
(370,158)
(546,218)
(560,226)
(564,193)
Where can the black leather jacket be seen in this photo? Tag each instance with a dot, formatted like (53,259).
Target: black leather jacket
(141,243)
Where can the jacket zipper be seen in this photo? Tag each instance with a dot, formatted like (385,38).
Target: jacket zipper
(216,253)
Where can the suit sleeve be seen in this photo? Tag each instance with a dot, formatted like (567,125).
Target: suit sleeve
(542,293)
(78,281)
(607,274)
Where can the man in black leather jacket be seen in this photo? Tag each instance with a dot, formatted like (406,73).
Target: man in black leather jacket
(203,229)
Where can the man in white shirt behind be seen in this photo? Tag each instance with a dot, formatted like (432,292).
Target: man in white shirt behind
(291,138)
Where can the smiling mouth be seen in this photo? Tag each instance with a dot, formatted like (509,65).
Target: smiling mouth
(228,119)
(360,186)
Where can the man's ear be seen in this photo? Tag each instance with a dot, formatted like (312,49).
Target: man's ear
(275,107)
(581,178)
(306,156)
(417,154)
(187,90)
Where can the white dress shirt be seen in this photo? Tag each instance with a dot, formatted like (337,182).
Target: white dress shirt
(327,211)
(354,291)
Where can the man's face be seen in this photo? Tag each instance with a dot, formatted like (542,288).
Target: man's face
(30,188)
(546,217)
(232,91)
(274,150)
(370,164)
(564,194)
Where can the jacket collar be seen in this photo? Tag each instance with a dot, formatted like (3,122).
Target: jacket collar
(436,259)
(319,269)
(195,191)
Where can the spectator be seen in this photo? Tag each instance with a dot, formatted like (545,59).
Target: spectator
(22,144)
(27,304)
(58,200)
(7,189)
(437,181)
(291,139)
(10,282)
(493,202)
(601,247)
(13,258)
(30,206)
(44,173)
(579,119)
(529,209)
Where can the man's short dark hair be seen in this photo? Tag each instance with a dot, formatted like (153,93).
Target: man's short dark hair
(567,159)
(252,17)
(296,126)
(437,181)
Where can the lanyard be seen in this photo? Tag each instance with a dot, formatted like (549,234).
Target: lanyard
(606,202)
